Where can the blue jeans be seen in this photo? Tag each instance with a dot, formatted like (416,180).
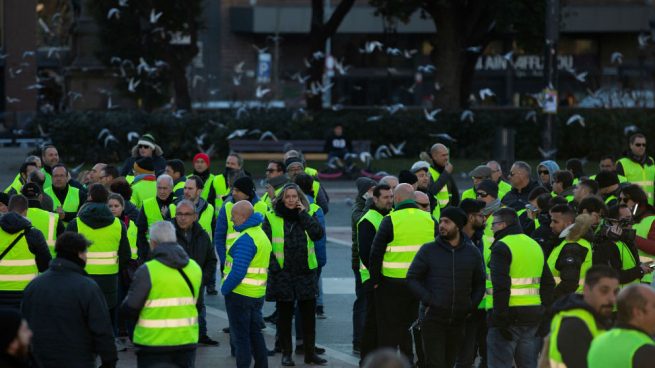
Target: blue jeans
(523,349)
(246,323)
(176,359)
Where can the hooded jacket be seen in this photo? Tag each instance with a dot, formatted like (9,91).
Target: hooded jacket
(551,166)
(13,223)
(171,255)
(501,259)
(242,251)
(449,280)
(69,317)
(96,216)
(574,338)
(199,247)
(572,254)
(365,233)
(220,230)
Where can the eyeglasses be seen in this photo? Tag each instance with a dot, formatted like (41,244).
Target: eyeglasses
(184,214)
(544,172)
(143,146)
(482,194)
(640,144)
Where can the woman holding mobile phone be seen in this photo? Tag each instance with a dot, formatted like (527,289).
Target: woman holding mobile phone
(293,228)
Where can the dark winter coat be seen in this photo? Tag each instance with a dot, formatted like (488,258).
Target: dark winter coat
(68,314)
(98,215)
(13,223)
(449,280)
(295,281)
(517,199)
(199,247)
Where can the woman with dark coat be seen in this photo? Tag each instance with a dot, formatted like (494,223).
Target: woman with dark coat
(293,268)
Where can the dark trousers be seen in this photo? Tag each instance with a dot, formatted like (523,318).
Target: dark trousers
(285,315)
(245,316)
(369,341)
(396,309)
(475,341)
(177,359)
(202,312)
(359,309)
(441,342)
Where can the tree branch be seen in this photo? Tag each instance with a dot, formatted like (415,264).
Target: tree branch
(337,17)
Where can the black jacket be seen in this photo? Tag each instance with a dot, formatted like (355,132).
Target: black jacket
(605,251)
(445,179)
(98,215)
(501,259)
(574,338)
(449,280)
(360,207)
(159,163)
(568,264)
(131,211)
(36,244)
(67,312)
(61,196)
(544,235)
(383,237)
(365,233)
(199,247)
(295,281)
(517,199)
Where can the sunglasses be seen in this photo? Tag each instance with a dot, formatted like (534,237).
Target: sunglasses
(544,172)
(640,144)
(482,194)
(144,146)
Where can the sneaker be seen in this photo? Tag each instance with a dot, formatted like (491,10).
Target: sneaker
(300,349)
(320,314)
(226,329)
(211,290)
(206,340)
(120,346)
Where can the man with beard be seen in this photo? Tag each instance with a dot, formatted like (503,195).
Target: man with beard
(578,319)
(367,226)
(447,292)
(443,186)
(487,192)
(421,170)
(15,340)
(476,325)
(637,167)
(221,183)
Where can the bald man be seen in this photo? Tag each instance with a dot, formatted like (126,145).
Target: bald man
(399,237)
(442,187)
(390,180)
(244,285)
(422,200)
(629,343)
(497,176)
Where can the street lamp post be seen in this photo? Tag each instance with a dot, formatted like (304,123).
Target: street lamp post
(550,67)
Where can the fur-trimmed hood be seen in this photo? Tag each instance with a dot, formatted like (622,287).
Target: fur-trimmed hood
(158,151)
(579,229)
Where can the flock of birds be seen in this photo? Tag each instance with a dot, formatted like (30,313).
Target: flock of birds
(139,73)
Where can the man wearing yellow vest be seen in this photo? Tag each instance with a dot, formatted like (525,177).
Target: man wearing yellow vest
(637,167)
(110,251)
(244,285)
(276,179)
(198,246)
(442,186)
(67,199)
(175,169)
(447,276)
(49,158)
(578,319)
(153,210)
(521,288)
(487,192)
(571,258)
(47,222)
(644,217)
(480,173)
(563,185)
(144,183)
(367,227)
(295,167)
(221,182)
(23,252)
(497,176)
(609,187)
(25,170)
(399,237)
(201,169)
(162,300)
(193,187)
(629,344)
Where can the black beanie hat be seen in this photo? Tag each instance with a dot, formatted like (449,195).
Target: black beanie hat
(4,198)
(245,185)
(407,176)
(470,205)
(145,164)
(488,186)
(456,215)
(10,321)
(606,179)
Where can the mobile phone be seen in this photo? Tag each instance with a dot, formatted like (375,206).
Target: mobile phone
(634,211)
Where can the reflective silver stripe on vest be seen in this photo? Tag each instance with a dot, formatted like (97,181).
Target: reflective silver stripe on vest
(98,261)
(17,277)
(401,265)
(517,292)
(253,282)
(22,262)
(167,323)
(169,302)
(232,235)
(254,270)
(558,280)
(554,364)
(279,255)
(51,230)
(277,240)
(101,254)
(403,248)
(526,281)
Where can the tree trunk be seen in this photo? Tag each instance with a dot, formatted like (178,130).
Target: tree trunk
(180,84)
(447,56)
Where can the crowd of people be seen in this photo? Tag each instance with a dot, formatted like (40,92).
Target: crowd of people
(551,269)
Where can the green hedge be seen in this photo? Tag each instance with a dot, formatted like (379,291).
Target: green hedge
(75,134)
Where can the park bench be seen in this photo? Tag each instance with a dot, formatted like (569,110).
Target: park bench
(252,149)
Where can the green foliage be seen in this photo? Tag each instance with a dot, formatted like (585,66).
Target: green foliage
(76,134)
